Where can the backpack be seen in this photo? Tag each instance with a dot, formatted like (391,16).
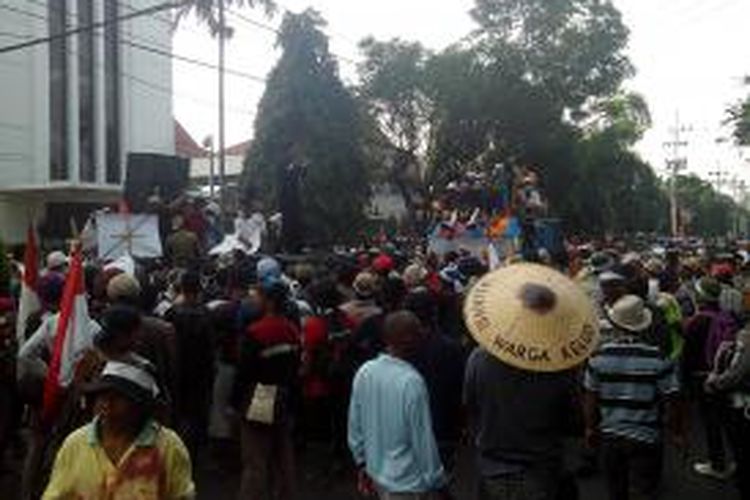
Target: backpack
(723,328)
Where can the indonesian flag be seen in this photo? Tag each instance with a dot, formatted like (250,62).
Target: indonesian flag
(29,302)
(72,338)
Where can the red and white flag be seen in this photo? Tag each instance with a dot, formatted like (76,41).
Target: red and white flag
(29,302)
(72,338)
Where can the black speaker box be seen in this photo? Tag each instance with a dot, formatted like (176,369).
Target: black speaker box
(146,172)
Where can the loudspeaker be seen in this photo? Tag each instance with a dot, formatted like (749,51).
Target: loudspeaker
(147,171)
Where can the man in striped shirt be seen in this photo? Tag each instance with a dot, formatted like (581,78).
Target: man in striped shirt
(630,387)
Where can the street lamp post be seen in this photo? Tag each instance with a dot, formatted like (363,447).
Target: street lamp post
(222,139)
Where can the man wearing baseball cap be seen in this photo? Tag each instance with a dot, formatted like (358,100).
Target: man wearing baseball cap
(123,452)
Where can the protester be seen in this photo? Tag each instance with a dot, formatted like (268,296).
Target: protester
(521,387)
(390,428)
(704,333)
(9,398)
(627,383)
(123,452)
(195,363)
(264,397)
(182,246)
(731,299)
(155,339)
(324,344)
(730,379)
(278,356)
(57,262)
(613,287)
(33,362)
(363,307)
(441,361)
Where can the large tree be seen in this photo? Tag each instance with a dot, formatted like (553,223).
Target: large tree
(704,210)
(393,88)
(308,118)
(572,50)
(528,86)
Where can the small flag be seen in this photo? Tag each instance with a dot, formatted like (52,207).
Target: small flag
(29,302)
(498,226)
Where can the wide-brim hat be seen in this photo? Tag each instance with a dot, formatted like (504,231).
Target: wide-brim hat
(630,314)
(533,318)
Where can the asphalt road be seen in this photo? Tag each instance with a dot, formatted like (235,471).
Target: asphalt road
(317,482)
(320,478)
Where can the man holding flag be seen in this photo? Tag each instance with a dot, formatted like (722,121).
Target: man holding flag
(66,340)
(29,302)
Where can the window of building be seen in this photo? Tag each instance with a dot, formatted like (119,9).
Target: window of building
(112,92)
(86,97)
(58,90)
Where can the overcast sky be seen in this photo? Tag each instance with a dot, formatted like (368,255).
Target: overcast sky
(690,55)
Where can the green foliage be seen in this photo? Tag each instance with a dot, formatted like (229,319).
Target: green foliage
(539,83)
(624,115)
(393,89)
(739,116)
(393,85)
(572,50)
(704,210)
(620,192)
(307,117)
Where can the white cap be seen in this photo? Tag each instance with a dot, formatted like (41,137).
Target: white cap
(56,260)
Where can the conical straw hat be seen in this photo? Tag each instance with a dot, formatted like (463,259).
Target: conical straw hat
(533,318)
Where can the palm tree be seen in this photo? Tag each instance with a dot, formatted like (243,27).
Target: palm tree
(211,12)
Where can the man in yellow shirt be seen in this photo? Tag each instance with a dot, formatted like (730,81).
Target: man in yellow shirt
(123,453)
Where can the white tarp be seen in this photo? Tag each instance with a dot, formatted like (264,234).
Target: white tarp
(125,264)
(247,237)
(128,234)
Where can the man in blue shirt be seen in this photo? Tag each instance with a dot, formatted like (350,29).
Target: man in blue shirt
(390,428)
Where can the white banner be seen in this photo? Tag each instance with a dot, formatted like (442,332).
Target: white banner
(128,234)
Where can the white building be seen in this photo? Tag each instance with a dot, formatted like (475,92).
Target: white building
(73,108)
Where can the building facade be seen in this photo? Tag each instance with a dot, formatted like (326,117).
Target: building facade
(76,105)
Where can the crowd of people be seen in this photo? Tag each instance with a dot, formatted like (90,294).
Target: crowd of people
(389,359)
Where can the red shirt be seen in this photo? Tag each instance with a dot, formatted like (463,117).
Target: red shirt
(315,333)
(272,330)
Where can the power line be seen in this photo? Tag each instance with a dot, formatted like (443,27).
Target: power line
(253,22)
(88,27)
(135,43)
(151,84)
(23,12)
(191,60)
(61,8)
(272,29)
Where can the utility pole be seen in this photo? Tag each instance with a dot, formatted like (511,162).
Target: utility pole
(675,164)
(222,139)
(208,144)
(739,189)
(720,175)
